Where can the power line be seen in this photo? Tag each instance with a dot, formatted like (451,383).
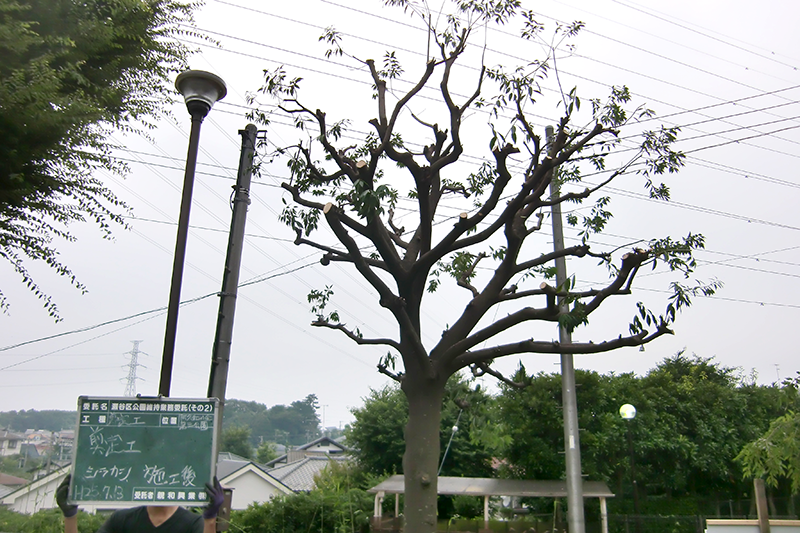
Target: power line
(136,315)
(685,27)
(682,112)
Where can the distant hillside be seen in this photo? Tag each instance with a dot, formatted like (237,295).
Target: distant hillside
(292,424)
(51,420)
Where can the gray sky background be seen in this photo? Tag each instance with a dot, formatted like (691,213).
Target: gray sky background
(724,71)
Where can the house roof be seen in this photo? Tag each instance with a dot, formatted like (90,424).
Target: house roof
(228,467)
(299,475)
(228,472)
(9,480)
(34,485)
(322,441)
(10,435)
(479,486)
(228,456)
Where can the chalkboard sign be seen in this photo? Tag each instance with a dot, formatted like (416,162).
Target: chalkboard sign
(144,451)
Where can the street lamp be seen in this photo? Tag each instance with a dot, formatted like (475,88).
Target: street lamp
(628,413)
(200,90)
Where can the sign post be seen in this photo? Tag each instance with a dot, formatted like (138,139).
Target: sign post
(144,451)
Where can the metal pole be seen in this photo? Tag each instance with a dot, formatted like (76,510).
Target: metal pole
(634,484)
(760,494)
(180,254)
(218,378)
(572,445)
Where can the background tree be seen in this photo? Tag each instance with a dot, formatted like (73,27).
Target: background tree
(355,188)
(237,440)
(71,72)
(776,453)
(693,415)
(47,521)
(292,424)
(376,435)
(51,420)
(266,452)
(338,503)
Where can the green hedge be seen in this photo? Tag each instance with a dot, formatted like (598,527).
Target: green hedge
(348,511)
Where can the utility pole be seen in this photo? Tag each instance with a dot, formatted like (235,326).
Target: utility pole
(572,442)
(221,354)
(130,388)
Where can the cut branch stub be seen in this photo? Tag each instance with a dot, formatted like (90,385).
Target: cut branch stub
(328,207)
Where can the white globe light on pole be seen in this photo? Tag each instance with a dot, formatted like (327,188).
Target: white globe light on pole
(627,411)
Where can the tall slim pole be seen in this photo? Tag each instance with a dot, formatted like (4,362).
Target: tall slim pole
(572,444)
(218,379)
(168,355)
(200,91)
(634,484)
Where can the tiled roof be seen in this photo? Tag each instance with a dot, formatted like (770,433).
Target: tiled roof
(12,481)
(299,475)
(322,440)
(228,456)
(10,435)
(226,467)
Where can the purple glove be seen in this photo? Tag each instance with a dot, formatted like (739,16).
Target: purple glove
(62,492)
(216,497)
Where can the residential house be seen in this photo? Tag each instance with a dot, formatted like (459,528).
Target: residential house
(294,471)
(10,443)
(9,483)
(251,482)
(300,475)
(35,496)
(41,439)
(322,447)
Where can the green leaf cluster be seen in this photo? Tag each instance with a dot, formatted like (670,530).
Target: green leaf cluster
(71,72)
(292,424)
(693,417)
(323,511)
(47,521)
(236,440)
(376,435)
(775,455)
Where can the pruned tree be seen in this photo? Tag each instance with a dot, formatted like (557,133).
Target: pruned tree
(486,249)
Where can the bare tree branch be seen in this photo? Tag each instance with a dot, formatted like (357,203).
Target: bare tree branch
(481,369)
(358,339)
(554,347)
(463,279)
(397,376)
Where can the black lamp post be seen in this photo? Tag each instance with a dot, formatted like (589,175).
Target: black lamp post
(628,412)
(200,90)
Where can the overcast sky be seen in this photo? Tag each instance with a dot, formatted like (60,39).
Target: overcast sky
(724,71)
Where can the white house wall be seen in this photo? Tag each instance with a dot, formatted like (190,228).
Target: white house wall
(249,488)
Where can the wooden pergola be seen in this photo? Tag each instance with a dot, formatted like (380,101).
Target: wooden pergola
(488,487)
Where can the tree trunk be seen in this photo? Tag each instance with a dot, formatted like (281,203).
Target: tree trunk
(421,458)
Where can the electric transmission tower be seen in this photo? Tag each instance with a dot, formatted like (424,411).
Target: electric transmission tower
(130,388)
